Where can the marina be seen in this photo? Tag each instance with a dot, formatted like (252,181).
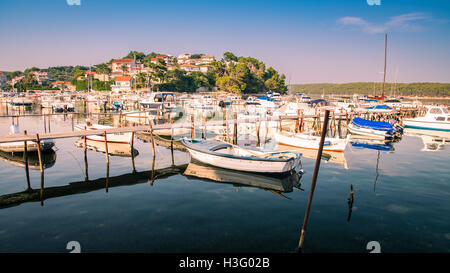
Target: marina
(224,135)
(158,165)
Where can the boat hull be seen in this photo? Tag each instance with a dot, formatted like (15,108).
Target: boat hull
(372,133)
(335,145)
(427,125)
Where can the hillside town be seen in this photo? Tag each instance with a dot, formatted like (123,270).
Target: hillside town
(121,73)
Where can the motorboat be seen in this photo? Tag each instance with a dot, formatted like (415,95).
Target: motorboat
(160,100)
(308,141)
(436,118)
(373,129)
(228,156)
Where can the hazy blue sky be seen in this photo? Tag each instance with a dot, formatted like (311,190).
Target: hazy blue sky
(309,41)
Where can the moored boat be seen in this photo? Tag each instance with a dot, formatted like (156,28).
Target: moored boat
(19,146)
(225,155)
(308,141)
(436,118)
(110,138)
(373,129)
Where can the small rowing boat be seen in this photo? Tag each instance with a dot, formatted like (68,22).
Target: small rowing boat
(225,155)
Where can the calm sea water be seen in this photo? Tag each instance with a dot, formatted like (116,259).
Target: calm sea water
(401,200)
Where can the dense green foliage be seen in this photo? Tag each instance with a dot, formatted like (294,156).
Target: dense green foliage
(371,88)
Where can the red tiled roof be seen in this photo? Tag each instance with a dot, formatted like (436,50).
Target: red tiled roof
(122,61)
(123,79)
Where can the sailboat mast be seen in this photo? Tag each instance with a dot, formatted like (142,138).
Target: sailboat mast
(385,55)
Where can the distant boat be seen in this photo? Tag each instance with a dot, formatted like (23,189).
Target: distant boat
(19,146)
(374,129)
(225,155)
(311,142)
(160,100)
(436,118)
(380,109)
(111,138)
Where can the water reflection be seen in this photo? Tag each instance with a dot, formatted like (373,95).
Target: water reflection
(275,184)
(432,140)
(115,149)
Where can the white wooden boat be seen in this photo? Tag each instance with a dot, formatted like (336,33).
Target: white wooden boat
(19,146)
(308,141)
(111,138)
(436,118)
(115,149)
(225,155)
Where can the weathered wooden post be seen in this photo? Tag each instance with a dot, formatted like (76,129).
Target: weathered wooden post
(314,179)
(279,124)
(350,203)
(72,122)
(106,148)
(301,122)
(204,128)
(152,140)
(258,126)
(192,127)
(235,129)
(25,153)
(49,118)
(41,168)
(171,144)
(297,121)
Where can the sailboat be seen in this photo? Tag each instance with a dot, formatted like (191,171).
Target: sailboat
(384,73)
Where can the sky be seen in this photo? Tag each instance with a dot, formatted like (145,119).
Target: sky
(308,41)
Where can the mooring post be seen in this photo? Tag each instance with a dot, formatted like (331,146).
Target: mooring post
(152,140)
(301,121)
(297,121)
(204,128)
(235,129)
(192,127)
(41,168)
(72,122)
(25,153)
(106,148)
(171,144)
(258,126)
(314,179)
(49,118)
(279,124)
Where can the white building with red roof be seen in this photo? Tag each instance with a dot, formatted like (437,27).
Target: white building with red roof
(122,83)
(130,65)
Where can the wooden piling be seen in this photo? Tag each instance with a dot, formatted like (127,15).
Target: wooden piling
(314,180)
(235,132)
(192,127)
(106,148)
(171,145)
(258,126)
(41,168)
(25,153)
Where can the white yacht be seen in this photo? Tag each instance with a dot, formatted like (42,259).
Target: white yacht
(436,118)
(160,100)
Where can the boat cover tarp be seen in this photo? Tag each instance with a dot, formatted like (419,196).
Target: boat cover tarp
(376,125)
(379,107)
